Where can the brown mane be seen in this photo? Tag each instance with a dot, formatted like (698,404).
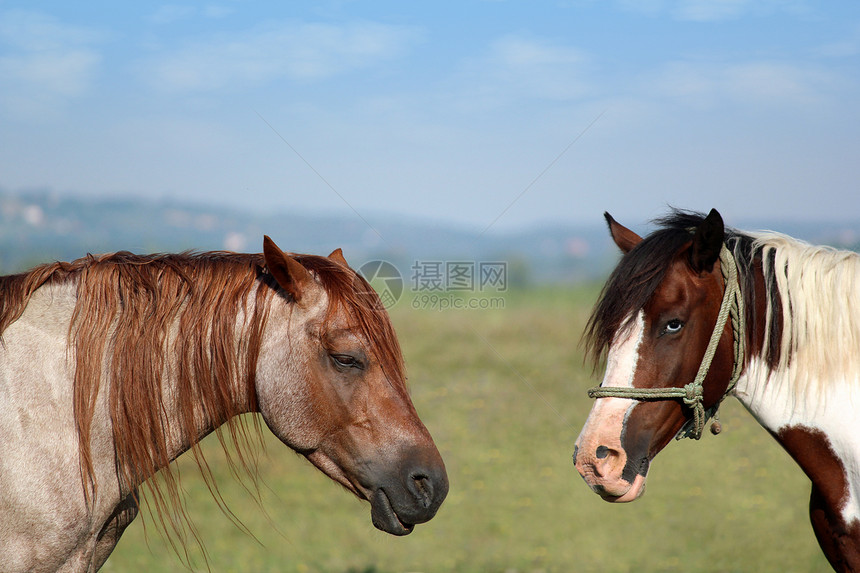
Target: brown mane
(140,318)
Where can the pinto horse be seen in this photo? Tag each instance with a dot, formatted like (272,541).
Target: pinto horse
(112,366)
(695,312)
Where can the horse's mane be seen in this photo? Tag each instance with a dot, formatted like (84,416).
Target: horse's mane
(819,289)
(141,318)
(812,323)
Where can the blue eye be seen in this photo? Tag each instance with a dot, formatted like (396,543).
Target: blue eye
(674,326)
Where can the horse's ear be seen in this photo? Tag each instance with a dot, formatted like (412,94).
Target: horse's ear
(337,256)
(707,243)
(288,272)
(623,237)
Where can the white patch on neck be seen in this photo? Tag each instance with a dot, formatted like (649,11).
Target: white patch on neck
(772,400)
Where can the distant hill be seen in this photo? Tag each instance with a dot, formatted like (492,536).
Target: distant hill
(42,226)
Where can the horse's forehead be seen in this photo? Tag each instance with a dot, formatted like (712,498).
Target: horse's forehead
(340,319)
(673,291)
(341,323)
(680,285)
(315,300)
(341,335)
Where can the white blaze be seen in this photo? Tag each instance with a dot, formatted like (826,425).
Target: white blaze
(624,354)
(620,371)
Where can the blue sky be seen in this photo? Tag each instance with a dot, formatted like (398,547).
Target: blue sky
(483,113)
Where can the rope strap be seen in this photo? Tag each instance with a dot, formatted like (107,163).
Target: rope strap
(693,393)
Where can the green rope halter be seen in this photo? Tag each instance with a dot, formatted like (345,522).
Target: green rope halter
(693,393)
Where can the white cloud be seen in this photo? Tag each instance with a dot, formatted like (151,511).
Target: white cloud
(711,10)
(217,12)
(846,47)
(650,7)
(294,51)
(708,85)
(61,74)
(44,63)
(171,13)
(515,68)
(517,53)
(34,31)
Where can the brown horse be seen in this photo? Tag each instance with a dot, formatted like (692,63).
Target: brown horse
(695,312)
(112,366)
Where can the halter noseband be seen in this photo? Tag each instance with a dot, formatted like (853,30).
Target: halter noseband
(693,393)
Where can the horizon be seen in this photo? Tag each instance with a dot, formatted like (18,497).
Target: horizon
(343,213)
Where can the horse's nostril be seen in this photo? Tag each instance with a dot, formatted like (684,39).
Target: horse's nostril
(422,488)
(606,461)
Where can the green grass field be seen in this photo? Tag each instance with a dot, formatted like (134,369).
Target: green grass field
(503,393)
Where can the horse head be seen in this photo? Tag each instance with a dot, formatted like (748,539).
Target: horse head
(331,385)
(657,321)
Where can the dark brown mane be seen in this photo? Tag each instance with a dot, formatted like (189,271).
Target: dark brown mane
(639,272)
(140,318)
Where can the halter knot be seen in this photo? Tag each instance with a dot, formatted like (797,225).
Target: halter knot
(694,394)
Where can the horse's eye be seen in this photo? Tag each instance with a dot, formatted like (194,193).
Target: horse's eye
(345,361)
(674,326)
